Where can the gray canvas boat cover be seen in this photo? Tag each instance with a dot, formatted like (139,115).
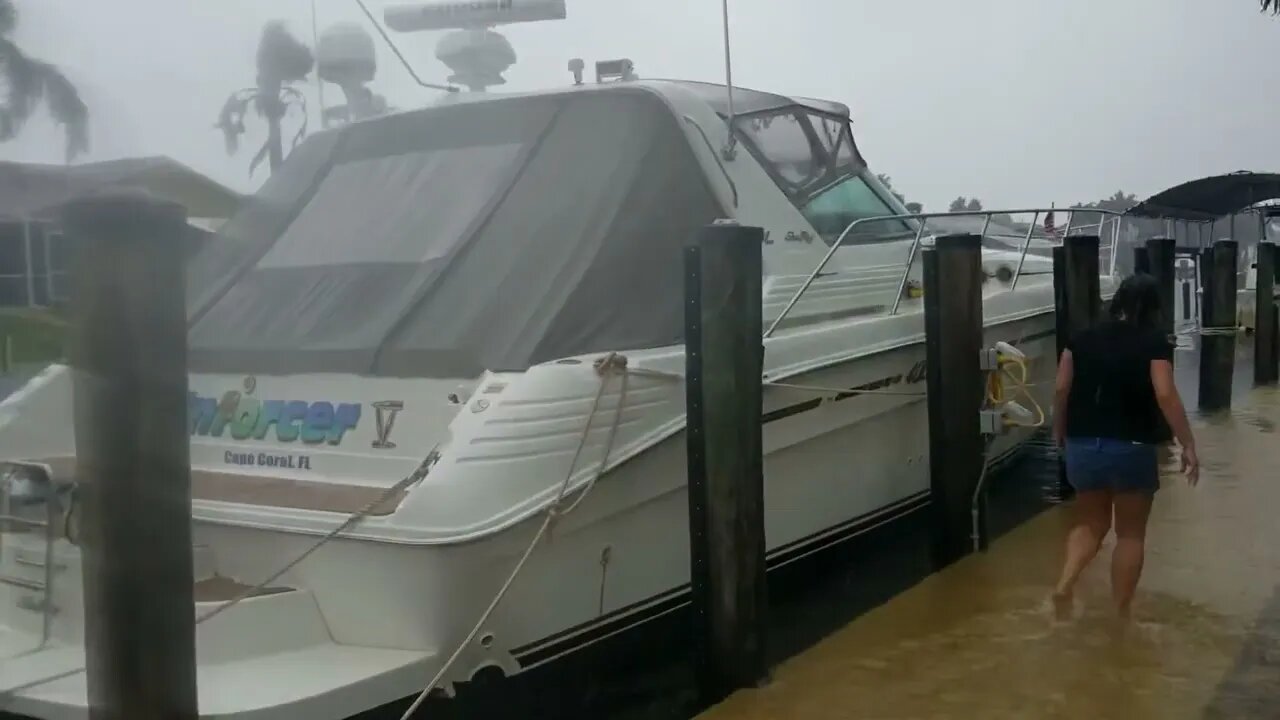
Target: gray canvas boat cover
(493,235)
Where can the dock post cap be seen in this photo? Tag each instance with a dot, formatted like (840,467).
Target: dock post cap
(959,241)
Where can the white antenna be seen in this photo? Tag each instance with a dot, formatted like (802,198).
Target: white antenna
(730,146)
(315,42)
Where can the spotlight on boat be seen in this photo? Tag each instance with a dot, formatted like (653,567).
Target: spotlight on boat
(577,67)
(621,69)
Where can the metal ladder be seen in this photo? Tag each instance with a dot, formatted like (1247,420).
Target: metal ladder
(42,601)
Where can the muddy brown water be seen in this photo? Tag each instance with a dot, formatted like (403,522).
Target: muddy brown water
(978,640)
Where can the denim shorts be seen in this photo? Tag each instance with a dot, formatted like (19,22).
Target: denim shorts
(1116,465)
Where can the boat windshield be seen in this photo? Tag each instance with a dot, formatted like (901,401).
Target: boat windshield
(814,161)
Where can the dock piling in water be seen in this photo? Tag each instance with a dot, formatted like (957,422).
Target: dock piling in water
(1266,344)
(1162,254)
(1141,260)
(1077,300)
(724,367)
(133,469)
(1083,282)
(1218,341)
(953,341)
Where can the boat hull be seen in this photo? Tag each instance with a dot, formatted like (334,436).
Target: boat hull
(838,468)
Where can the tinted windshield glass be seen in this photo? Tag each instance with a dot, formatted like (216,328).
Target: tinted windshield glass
(850,199)
(813,159)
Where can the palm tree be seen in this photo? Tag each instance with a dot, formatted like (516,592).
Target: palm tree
(1272,5)
(25,82)
(282,60)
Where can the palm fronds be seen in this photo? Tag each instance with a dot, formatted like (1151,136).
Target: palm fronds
(282,59)
(28,82)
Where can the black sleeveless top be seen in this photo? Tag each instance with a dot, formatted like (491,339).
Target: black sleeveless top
(1111,393)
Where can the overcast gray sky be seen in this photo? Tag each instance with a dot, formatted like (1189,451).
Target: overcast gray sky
(1018,102)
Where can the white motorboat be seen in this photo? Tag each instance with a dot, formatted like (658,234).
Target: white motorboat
(433,291)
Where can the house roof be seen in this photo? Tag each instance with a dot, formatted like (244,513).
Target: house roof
(1212,197)
(31,191)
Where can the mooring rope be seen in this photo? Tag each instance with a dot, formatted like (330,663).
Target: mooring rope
(355,518)
(843,391)
(612,363)
(1224,331)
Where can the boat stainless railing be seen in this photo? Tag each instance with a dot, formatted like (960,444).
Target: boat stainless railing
(8,522)
(987,215)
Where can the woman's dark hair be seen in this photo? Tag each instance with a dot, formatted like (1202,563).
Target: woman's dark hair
(1137,301)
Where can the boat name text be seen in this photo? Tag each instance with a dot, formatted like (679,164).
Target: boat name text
(246,417)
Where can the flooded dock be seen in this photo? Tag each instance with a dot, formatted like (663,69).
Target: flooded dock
(979,639)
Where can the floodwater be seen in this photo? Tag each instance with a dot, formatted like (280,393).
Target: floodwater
(979,641)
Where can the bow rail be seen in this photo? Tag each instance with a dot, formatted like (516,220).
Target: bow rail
(1109,217)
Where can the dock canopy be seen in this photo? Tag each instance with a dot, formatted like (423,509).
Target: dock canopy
(1210,198)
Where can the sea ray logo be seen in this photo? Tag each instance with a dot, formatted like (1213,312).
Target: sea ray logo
(385,413)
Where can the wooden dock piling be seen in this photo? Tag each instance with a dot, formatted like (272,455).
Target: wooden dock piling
(1141,260)
(133,469)
(724,369)
(1077,302)
(1163,258)
(1218,321)
(1083,282)
(1266,343)
(953,340)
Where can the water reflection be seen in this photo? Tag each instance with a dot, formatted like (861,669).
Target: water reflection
(978,641)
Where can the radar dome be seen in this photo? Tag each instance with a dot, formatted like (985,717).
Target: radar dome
(477,57)
(345,55)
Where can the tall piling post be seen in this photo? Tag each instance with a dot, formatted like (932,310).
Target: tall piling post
(1266,358)
(1062,333)
(1218,343)
(1141,260)
(952,274)
(1077,303)
(129,359)
(1077,287)
(1083,282)
(724,395)
(1163,258)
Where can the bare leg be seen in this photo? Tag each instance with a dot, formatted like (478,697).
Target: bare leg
(1132,511)
(1091,523)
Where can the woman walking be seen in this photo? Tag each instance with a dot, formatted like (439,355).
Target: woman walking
(1115,386)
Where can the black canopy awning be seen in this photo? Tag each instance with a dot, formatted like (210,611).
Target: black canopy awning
(1211,198)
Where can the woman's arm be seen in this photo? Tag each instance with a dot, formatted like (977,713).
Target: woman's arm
(1062,391)
(1176,415)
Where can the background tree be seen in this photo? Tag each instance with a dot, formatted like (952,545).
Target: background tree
(974,205)
(888,184)
(958,205)
(26,82)
(282,61)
